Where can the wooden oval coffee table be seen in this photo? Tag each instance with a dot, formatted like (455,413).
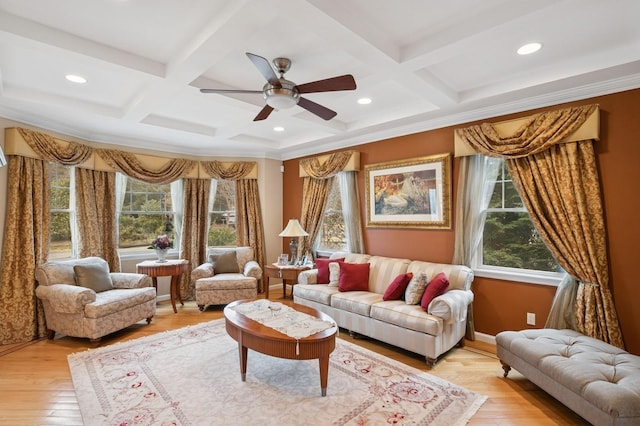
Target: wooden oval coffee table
(252,335)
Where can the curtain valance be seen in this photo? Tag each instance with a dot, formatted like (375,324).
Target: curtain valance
(229,171)
(531,135)
(332,164)
(129,164)
(46,147)
(145,167)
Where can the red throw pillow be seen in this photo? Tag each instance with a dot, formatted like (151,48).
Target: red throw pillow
(398,286)
(354,277)
(437,286)
(323,269)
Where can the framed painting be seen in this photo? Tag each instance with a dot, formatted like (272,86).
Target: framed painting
(413,193)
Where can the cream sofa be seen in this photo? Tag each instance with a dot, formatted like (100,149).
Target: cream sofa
(79,311)
(429,333)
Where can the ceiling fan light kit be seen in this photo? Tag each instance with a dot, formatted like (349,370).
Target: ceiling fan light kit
(280,93)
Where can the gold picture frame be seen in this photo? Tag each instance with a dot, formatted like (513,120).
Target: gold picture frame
(413,193)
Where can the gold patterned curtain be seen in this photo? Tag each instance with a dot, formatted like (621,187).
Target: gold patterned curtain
(558,183)
(315,191)
(249,220)
(193,246)
(128,164)
(25,245)
(95,193)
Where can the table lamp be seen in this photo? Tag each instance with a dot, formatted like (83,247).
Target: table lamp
(293,230)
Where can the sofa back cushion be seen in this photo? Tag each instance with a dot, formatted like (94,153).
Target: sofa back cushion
(243,254)
(384,270)
(94,276)
(460,276)
(351,257)
(61,272)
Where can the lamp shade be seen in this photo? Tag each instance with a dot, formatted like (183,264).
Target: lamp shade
(293,229)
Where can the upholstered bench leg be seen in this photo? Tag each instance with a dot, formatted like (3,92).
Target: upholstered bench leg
(506,368)
(149,319)
(430,361)
(201,307)
(51,334)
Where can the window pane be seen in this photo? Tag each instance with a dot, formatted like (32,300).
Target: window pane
(332,232)
(60,210)
(222,229)
(510,240)
(512,199)
(146,213)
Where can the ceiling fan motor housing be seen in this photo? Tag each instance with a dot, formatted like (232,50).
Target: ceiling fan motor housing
(283,97)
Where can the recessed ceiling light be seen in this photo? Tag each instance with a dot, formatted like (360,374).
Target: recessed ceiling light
(74,78)
(278,129)
(529,48)
(364,101)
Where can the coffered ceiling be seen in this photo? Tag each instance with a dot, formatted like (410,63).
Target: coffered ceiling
(423,63)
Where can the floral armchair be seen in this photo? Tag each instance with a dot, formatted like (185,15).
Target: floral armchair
(81,298)
(230,274)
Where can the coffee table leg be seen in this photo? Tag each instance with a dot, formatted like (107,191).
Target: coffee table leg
(324,373)
(242,351)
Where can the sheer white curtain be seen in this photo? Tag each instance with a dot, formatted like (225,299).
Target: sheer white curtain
(75,249)
(476,181)
(177,203)
(121,189)
(212,196)
(351,211)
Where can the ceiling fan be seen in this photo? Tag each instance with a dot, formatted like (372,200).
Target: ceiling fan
(280,93)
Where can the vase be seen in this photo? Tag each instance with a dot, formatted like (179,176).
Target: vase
(162,255)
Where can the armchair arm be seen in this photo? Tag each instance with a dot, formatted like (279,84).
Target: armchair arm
(130,280)
(451,306)
(310,276)
(66,298)
(252,269)
(203,271)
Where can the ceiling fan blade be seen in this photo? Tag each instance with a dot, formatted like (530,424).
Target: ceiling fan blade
(265,68)
(229,91)
(317,109)
(264,113)
(343,82)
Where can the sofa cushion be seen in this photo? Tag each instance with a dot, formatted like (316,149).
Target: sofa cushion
(357,302)
(397,288)
(94,276)
(323,269)
(117,300)
(225,262)
(384,270)
(320,293)
(354,277)
(437,286)
(415,289)
(408,316)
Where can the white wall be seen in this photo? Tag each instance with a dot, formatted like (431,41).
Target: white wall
(269,184)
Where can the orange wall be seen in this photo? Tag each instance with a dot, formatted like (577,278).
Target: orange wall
(502,305)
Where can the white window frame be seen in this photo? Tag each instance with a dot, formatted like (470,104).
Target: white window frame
(210,210)
(530,276)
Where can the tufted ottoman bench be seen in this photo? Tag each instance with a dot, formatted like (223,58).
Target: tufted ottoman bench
(596,380)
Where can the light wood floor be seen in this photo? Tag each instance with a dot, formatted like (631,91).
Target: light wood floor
(36,387)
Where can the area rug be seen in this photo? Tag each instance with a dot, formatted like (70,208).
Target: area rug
(191,376)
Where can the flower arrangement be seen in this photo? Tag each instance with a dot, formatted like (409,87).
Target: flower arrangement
(161,242)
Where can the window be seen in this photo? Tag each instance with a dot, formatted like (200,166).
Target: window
(222,214)
(332,235)
(62,210)
(510,239)
(146,213)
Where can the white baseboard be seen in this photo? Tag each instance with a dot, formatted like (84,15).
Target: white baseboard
(486,338)
(163,297)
